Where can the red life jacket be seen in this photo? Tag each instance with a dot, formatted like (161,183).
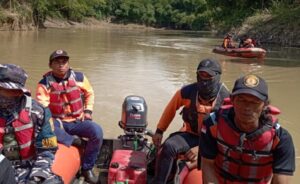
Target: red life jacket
(23,129)
(64,95)
(243,158)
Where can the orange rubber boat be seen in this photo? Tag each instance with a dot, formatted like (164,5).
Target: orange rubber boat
(122,160)
(194,176)
(66,163)
(254,52)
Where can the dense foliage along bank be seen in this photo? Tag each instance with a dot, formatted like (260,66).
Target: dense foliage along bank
(174,14)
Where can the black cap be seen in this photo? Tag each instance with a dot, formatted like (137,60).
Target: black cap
(212,67)
(253,85)
(12,77)
(57,54)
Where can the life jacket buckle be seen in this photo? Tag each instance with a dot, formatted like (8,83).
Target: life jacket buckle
(10,149)
(254,155)
(69,114)
(66,104)
(9,130)
(239,148)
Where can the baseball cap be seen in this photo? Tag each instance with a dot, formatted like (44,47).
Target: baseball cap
(211,66)
(253,85)
(12,77)
(58,53)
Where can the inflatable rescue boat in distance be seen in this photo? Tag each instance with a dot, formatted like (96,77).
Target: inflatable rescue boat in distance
(254,52)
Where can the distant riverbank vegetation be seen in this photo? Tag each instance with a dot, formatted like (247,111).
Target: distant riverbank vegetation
(219,15)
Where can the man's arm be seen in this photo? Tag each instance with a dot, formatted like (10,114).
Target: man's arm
(89,98)
(170,111)
(7,173)
(208,151)
(167,117)
(88,92)
(45,143)
(284,158)
(42,95)
(281,179)
(208,171)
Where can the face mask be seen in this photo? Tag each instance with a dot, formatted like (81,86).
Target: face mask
(208,89)
(8,105)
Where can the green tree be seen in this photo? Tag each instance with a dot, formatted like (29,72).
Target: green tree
(39,12)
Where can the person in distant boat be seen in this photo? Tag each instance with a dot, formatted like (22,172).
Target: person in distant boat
(242,40)
(27,140)
(198,100)
(248,43)
(227,42)
(70,97)
(243,142)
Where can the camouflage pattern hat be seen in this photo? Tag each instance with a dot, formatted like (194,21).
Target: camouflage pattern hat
(12,77)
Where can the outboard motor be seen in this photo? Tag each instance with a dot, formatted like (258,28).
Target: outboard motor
(134,115)
(129,162)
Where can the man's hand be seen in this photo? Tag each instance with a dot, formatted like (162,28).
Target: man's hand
(87,116)
(36,180)
(192,154)
(156,139)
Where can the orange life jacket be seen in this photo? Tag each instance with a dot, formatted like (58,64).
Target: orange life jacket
(65,98)
(23,129)
(227,43)
(243,158)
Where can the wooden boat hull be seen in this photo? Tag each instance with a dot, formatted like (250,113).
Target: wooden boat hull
(241,52)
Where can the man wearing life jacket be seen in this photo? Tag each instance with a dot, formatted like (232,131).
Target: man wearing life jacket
(227,42)
(70,97)
(248,43)
(27,139)
(198,100)
(243,142)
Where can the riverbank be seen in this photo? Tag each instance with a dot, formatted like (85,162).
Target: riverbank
(265,27)
(90,23)
(282,29)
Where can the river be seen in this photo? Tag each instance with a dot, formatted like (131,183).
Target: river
(152,64)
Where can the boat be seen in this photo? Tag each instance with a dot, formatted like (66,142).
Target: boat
(254,52)
(66,163)
(128,159)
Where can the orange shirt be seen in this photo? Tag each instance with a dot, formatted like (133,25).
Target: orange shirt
(181,99)
(227,43)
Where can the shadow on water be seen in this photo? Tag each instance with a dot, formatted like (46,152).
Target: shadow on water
(283,56)
(284,62)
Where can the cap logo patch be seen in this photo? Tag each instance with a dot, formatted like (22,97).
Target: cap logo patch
(59,52)
(206,63)
(251,81)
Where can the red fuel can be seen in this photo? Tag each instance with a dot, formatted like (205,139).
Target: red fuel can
(128,167)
